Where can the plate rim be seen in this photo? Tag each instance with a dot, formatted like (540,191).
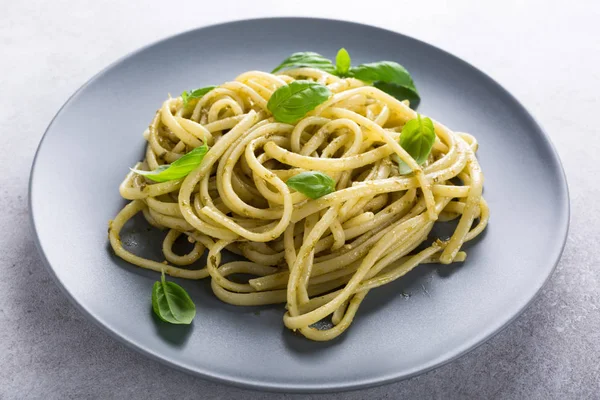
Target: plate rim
(246,383)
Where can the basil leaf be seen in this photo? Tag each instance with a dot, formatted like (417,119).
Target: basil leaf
(342,62)
(171,303)
(190,95)
(306,59)
(290,103)
(417,138)
(389,77)
(177,169)
(399,92)
(313,184)
(386,71)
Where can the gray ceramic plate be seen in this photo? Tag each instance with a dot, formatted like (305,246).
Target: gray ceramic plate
(431,316)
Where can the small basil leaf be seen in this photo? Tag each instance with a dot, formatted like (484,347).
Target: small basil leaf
(389,77)
(313,184)
(417,138)
(342,62)
(171,303)
(306,59)
(290,103)
(190,95)
(177,169)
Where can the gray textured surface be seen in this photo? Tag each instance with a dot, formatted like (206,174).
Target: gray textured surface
(546,54)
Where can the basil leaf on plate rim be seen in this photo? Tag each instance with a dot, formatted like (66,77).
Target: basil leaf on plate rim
(178,169)
(313,184)
(291,102)
(171,303)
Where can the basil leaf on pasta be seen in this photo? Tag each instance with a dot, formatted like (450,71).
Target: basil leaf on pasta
(171,303)
(313,184)
(417,138)
(177,169)
(342,62)
(306,59)
(196,94)
(389,77)
(290,103)
(399,92)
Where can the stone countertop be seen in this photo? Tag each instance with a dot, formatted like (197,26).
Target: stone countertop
(546,53)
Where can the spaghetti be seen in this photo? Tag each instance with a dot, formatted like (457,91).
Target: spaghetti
(320,256)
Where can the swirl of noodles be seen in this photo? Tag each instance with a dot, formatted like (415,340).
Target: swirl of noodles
(320,257)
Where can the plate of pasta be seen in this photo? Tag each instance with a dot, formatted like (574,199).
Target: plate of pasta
(298,204)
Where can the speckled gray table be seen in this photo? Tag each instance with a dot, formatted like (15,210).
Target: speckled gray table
(546,53)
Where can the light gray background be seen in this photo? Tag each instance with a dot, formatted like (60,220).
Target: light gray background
(546,53)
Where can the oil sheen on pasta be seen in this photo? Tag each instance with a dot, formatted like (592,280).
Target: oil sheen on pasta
(321,257)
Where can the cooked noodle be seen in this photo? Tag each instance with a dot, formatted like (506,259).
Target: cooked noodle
(320,257)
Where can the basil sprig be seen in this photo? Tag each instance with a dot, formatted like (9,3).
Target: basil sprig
(171,303)
(313,184)
(306,59)
(417,138)
(387,76)
(342,62)
(196,94)
(290,103)
(177,169)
